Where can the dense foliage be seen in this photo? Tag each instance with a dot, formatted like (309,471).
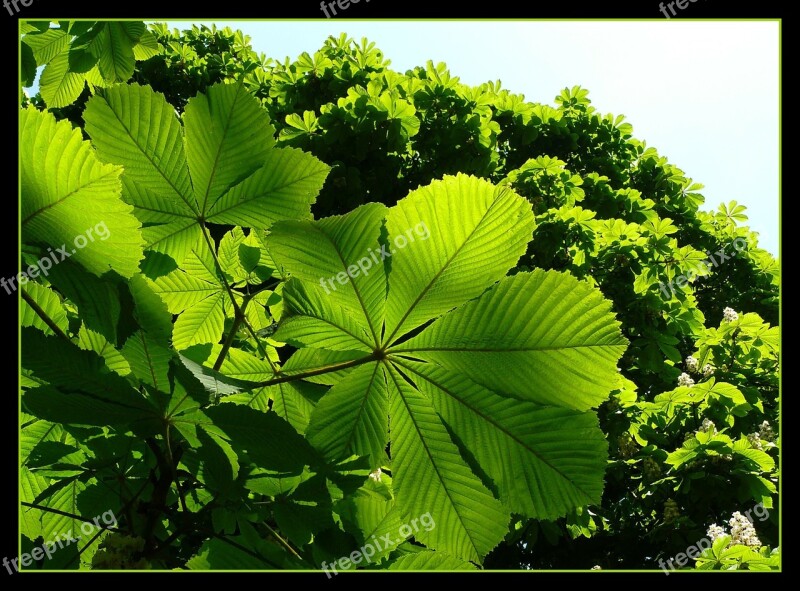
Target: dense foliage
(332,299)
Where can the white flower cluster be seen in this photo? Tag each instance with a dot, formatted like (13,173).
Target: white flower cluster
(376,475)
(755,441)
(742,531)
(729,315)
(715,531)
(693,366)
(765,432)
(708,427)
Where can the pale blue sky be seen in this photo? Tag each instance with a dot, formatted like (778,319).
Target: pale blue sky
(704,94)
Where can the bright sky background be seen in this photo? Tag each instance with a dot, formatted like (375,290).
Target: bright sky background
(704,94)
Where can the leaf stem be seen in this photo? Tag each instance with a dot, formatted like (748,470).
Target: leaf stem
(43,315)
(320,371)
(238,312)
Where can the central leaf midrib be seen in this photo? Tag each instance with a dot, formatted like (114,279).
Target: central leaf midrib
(113,170)
(512,350)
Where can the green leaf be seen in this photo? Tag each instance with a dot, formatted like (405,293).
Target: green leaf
(228,138)
(72,201)
(339,260)
(352,418)
(87,394)
(27,66)
(146,47)
(49,302)
(544,460)
(62,363)
(31,486)
(312,322)
(213,381)
(133,126)
(283,188)
(113,46)
(269,440)
(98,301)
(221,555)
(58,85)
(47,45)
(543,336)
(202,323)
(295,401)
(546,456)
(219,167)
(431,477)
(89,340)
(428,560)
(451,230)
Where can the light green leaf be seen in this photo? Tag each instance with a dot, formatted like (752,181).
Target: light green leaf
(59,86)
(543,336)
(451,230)
(326,255)
(283,188)
(228,137)
(544,460)
(429,560)
(431,477)
(70,200)
(353,417)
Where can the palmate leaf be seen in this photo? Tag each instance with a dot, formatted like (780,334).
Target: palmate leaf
(219,167)
(67,193)
(509,367)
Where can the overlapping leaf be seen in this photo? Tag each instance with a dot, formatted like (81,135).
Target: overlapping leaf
(71,200)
